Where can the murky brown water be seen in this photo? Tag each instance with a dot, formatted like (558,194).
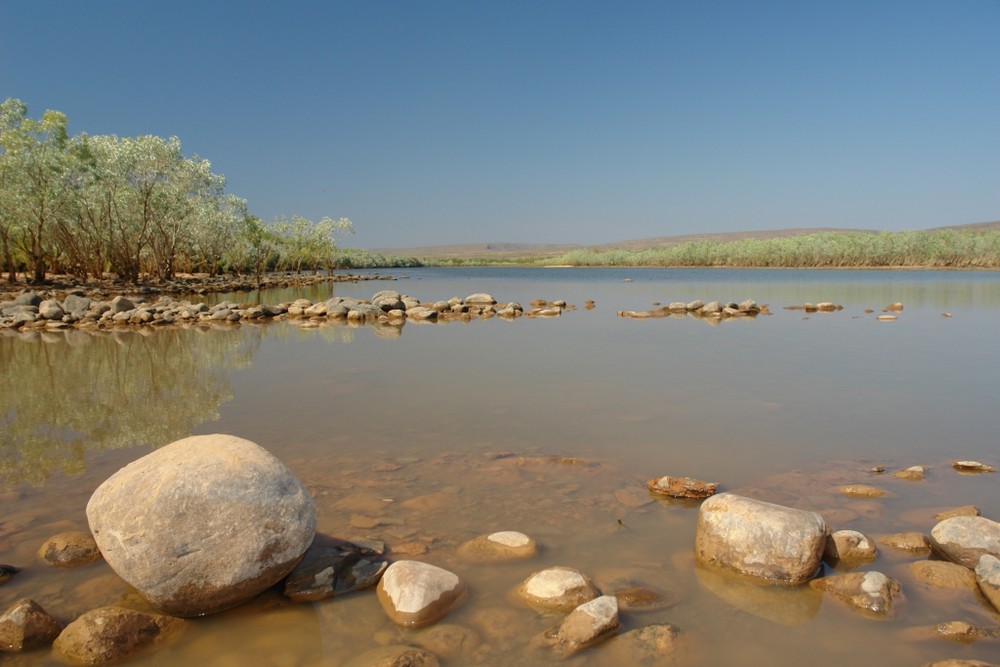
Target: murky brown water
(430,436)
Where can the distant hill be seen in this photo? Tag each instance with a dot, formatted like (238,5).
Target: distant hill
(501,251)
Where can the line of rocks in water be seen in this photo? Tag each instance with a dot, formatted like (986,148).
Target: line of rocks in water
(713,310)
(246,523)
(29,311)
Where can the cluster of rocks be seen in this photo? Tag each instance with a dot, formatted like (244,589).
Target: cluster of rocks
(769,543)
(713,310)
(29,311)
(207,523)
(822,307)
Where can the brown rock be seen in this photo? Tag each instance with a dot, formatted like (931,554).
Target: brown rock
(943,574)
(861,491)
(910,542)
(871,593)
(964,510)
(500,546)
(109,634)
(972,466)
(682,487)
(395,656)
(25,625)
(850,548)
(558,588)
(415,594)
(70,549)
(449,641)
(912,474)
(585,626)
(963,539)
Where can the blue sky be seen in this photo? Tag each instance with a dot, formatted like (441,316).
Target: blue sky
(543,121)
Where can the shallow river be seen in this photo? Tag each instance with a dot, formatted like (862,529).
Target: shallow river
(426,436)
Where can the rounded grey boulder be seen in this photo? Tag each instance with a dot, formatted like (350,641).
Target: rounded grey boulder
(202,524)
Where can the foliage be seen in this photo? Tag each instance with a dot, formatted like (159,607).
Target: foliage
(932,249)
(354,258)
(133,206)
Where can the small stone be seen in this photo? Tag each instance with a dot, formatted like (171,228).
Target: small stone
(500,546)
(895,307)
(886,318)
(910,542)
(972,466)
(7,573)
(558,588)
(70,549)
(850,548)
(585,626)
(25,625)
(861,491)
(656,644)
(959,663)
(395,656)
(682,487)
(871,593)
(912,474)
(110,634)
(414,594)
(957,631)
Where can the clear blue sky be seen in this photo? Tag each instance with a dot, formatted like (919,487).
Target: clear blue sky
(548,121)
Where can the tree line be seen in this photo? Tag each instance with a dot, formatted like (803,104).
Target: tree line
(88,205)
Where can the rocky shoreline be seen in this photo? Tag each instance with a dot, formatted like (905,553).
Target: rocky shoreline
(763,557)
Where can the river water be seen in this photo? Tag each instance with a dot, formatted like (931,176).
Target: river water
(426,436)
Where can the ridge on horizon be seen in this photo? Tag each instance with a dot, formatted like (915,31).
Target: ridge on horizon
(502,249)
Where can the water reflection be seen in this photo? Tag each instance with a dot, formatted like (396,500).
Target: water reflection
(67,393)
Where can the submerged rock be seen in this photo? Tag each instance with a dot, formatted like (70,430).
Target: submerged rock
(500,546)
(110,634)
(70,549)
(682,487)
(972,466)
(660,644)
(395,656)
(759,539)
(7,573)
(202,524)
(333,569)
(861,491)
(585,626)
(25,625)
(910,542)
(942,574)
(871,593)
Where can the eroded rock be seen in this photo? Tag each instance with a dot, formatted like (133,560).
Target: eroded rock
(850,548)
(25,625)
(558,588)
(759,539)
(110,634)
(70,549)
(871,593)
(415,594)
(963,539)
(499,546)
(588,624)
(682,487)
(202,524)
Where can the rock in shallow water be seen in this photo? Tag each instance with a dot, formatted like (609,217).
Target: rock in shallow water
(69,549)
(202,524)
(500,546)
(334,568)
(850,548)
(963,539)
(871,593)
(414,594)
(585,626)
(558,588)
(759,539)
(25,625)
(110,634)
(682,487)
(988,578)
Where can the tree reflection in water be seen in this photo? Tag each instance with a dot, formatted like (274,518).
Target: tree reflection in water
(68,393)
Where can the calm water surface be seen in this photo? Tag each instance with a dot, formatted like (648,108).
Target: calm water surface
(438,433)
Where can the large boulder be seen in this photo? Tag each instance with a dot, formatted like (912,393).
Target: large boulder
(759,539)
(202,524)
